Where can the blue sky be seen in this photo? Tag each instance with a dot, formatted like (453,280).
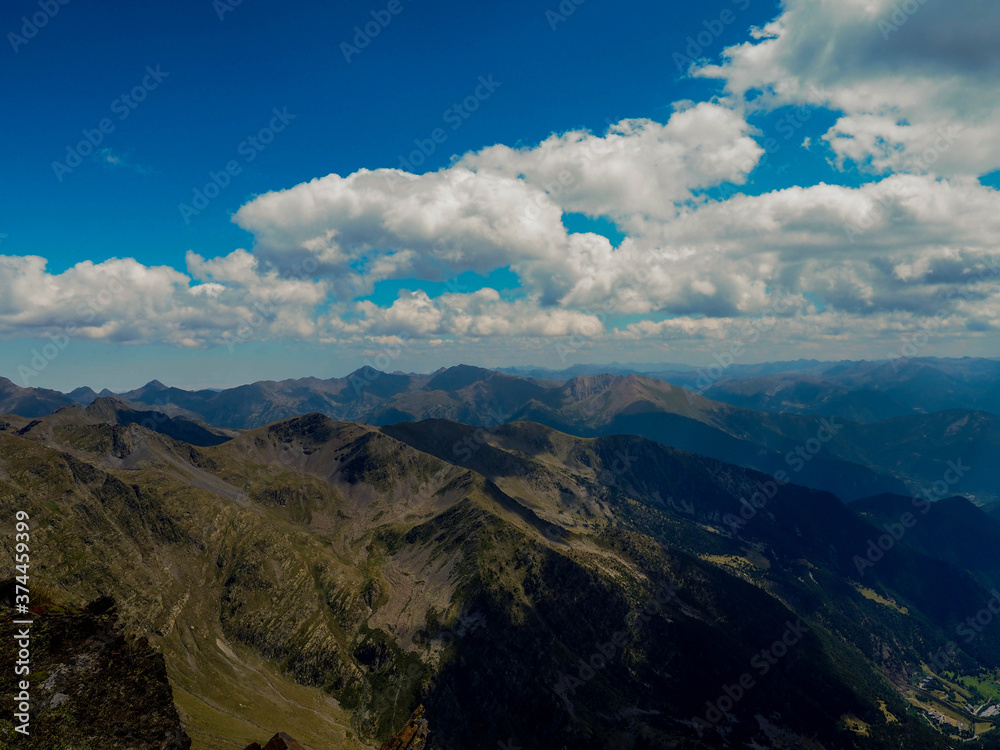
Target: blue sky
(519,72)
(226,76)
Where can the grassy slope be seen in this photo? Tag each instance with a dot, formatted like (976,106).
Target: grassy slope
(335,556)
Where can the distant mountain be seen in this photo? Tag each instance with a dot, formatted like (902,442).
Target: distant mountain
(951,529)
(902,455)
(939,454)
(85,396)
(589,405)
(106,411)
(862,391)
(29,402)
(614,368)
(808,394)
(659,369)
(529,588)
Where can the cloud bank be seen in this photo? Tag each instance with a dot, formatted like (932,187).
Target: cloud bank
(914,90)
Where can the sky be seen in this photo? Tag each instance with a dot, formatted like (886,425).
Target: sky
(212,193)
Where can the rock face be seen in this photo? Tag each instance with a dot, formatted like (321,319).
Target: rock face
(411,737)
(91,686)
(526,586)
(280,741)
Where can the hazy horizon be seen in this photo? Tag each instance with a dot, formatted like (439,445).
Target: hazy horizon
(714,369)
(700,180)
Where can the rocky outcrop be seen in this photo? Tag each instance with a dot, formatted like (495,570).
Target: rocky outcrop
(280,741)
(411,737)
(90,685)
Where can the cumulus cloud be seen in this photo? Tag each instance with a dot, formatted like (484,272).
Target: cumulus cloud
(898,244)
(904,246)
(124,301)
(916,246)
(916,82)
(503,207)
(498,207)
(375,225)
(480,314)
(638,167)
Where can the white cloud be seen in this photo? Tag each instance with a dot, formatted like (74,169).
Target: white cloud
(916,82)
(503,207)
(124,301)
(638,167)
(374,225)
(917,100)
(480,314)
(889,251)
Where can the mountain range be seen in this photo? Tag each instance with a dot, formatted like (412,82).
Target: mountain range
(908,454)
(860,391)
(610,561)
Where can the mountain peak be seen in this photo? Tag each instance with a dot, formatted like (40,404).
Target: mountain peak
(584,386)
(105,406)
(280,741)
(366,373)
(458,377)
(83,395)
